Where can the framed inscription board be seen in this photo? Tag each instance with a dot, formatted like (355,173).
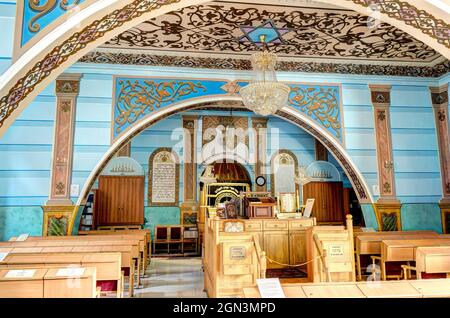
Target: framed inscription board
(163,178)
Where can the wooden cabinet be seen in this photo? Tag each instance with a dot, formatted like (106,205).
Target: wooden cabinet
(328,205)
(284,241)
(120,200)
(297,247)
(276,246)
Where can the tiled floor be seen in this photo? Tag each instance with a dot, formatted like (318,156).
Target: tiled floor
(173,277)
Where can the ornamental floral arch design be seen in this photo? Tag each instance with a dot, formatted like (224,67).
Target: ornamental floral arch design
(287,113)
(102,20)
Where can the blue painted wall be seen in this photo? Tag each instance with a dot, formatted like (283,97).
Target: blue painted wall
(7,20)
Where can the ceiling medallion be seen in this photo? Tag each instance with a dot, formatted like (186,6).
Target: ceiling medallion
(264,95)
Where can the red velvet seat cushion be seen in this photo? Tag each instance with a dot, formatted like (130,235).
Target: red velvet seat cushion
(107,285)
(433,276)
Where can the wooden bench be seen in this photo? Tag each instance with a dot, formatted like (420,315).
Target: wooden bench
(108,265)
(145,233)
(378,289)
(369,243)
(141,263)
(403,250)
(141,237)
(128,249)
(47,283)
(430,260)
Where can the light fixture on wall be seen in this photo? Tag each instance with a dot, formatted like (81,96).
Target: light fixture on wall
(264,95)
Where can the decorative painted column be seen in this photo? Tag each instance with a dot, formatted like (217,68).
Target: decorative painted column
(190,204)
(59,209)
(439,99)
(388,206)
(259,126)
(67,88)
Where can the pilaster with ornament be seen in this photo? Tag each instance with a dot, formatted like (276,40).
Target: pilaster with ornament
(59,211)
(388,206)
(439,100)
(67,89)
(259,126)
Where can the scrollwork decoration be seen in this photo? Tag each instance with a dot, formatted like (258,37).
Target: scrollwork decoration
(137,98)
(215,27)
(44,9)
(321,104)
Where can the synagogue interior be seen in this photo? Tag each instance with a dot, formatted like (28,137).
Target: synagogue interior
(236,148)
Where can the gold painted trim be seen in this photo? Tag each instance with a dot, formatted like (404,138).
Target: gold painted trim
(69,211)
(388,208)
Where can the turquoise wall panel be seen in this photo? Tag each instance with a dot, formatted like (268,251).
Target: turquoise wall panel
(76,224)
(7,27)
(421,217)
(370,219)
(161,216)
(410,96)
(20,219)
(7,23)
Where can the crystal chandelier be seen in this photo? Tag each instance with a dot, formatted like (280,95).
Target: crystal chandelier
(264,95)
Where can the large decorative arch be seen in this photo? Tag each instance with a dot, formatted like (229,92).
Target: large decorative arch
(102,20)
(287,113)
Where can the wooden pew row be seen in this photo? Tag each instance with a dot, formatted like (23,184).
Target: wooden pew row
(430,260)
(48,283)
(128,253)
(404,250)
(379,289)
(63,241)
(108,265)
(145,232)
(369,243)
(141,237)
(128,248)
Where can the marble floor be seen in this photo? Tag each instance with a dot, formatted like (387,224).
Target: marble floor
(173,277)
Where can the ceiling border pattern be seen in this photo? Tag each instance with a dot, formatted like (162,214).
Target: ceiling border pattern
(101,57)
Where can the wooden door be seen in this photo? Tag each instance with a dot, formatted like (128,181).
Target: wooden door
(120,200)
(328,205)
(276,246)
(297,247)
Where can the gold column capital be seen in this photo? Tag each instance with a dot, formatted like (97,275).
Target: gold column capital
(68,84)
(380,95)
